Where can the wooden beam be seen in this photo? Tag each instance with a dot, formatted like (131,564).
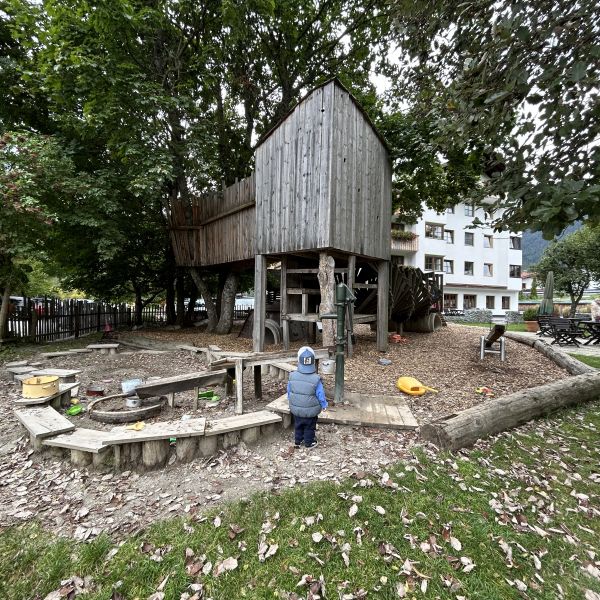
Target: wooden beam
(260,284)
(239,386)
(285,324)
(298,291)
(383,296)
(311,271)
(181,383)
(231,211)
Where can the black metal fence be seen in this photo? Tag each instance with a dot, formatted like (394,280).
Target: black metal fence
(49,319)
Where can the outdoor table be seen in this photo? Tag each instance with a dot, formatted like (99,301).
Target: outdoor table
(593,328)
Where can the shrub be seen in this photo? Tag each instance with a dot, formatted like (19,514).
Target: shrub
(530,314)
(407,236)
(513,316)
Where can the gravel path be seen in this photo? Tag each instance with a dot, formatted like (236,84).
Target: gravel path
(84,503)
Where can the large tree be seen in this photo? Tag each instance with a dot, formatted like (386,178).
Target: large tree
(517,82)
(574,261)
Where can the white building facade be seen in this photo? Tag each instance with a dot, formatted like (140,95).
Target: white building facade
(481,269)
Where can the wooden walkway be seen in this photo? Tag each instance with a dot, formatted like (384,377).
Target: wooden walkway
(388,412)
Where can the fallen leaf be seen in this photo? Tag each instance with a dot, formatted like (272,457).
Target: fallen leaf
(229,564)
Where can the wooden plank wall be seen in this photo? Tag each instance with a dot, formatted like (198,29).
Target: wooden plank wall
(292,178)
(227,239)
(360,189)
(323,180)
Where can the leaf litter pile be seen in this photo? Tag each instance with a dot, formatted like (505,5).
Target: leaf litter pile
(515,517)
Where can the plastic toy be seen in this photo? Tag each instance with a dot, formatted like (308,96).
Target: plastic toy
(412,386)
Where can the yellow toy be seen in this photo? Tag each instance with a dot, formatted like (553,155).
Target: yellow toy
(412,386)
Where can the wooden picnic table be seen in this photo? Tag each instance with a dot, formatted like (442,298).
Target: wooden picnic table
(235,365)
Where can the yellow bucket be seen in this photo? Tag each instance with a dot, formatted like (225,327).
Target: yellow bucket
(40,387)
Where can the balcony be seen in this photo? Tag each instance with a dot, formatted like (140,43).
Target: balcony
(408,242)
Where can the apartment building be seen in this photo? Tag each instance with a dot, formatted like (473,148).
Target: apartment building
(482,269)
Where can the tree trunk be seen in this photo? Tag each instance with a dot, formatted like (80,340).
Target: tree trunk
(227,304)
(326,277)
(4,308)
(170,301)
(180,290)
(499,414)
(139,305)
(211,309)
(191,307)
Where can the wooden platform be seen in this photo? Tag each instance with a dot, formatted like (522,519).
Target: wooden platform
(43,422)
(64,392)
(157,431)
(389,412)
(84,440)
(240,422)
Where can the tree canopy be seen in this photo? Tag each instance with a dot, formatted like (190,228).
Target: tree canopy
(574,261)
(515,81)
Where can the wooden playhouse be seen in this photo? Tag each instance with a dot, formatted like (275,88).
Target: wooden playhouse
(321,192)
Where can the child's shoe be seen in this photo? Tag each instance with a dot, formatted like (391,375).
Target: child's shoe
(297,446)
(315,443)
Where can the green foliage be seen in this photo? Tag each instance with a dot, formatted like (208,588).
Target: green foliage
(516,81)
(533,294)
(530,314)
(575,262)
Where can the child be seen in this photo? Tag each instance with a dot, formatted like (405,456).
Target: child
(306,397)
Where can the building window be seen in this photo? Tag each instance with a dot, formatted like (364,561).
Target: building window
(488,241)
(490,302)
(433,231)
(514,271)
(448,267)
(469,301)
(468,268)
(506,302)
(469,210)
(451,301)
(515,242)
(449,236)
(450,211)
(469,238)
(398,226)
(433,263)
(488,270)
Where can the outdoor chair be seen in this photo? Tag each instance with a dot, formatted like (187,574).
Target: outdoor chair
(544,326)
(564,332)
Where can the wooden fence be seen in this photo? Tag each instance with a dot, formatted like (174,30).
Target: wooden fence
(51,319)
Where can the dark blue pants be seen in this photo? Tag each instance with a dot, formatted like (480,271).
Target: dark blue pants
(304,430)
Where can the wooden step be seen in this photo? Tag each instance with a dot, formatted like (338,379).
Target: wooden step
(43,421)
(63,388)
(158,431)
(181,383)
(84,440)
(240,422)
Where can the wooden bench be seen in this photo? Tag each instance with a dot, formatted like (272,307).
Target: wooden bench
(169,386)
(62,398)
(104,348)
(87,446)
(64,375)
(42,422)
(15,372)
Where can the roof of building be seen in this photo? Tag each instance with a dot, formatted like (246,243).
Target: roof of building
(337,82)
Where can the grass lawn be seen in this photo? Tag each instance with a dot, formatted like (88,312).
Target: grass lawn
(516,519)
(509,327)
(13,351)
(592,361)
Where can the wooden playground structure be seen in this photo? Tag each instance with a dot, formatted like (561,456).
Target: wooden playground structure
(318,205)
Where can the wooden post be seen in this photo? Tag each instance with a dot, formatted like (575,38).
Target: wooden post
(383,299)
(285,324)
(350,313)
(239,387)
(33,324)
(260,284)
(77,317)
(326,277)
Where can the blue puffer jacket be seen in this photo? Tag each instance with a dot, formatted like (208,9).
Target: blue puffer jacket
(302,397)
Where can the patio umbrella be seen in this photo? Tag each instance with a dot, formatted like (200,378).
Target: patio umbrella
(547,304)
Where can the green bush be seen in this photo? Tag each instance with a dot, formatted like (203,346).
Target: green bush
(530,314)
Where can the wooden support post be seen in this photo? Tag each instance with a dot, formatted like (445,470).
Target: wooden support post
(285,324)
(186,448)
(287,421)
(196,392)
(258,382)
(81,459)
(383,299)
(350,313)
(232,438)
(155,453)
(207,446)
(260,284)
(239,387)
(326,277)
(171,399)
(250,435)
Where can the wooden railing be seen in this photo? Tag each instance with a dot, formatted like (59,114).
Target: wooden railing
(405,245)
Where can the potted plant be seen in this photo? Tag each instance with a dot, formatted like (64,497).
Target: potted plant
(530,318)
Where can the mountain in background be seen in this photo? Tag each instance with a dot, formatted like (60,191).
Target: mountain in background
(534,244)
